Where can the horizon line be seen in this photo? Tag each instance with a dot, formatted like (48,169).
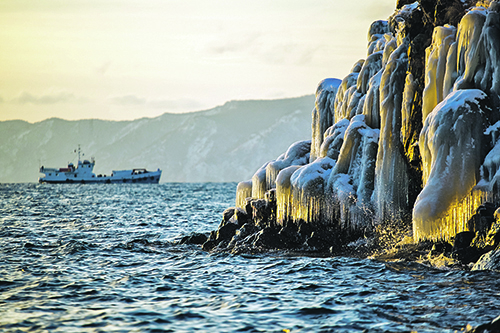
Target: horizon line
(167,112)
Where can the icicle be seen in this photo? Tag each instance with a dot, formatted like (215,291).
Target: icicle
(391,187)
(470,54)
(308,192)
(259,183)
(371,66)
(243,191)
(435,68)
(323,114)
(371,107)
(284,200)
(491,44)
(350,184)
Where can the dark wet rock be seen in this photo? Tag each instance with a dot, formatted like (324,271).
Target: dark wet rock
(261,211)
(305,229)
(323,240)
(493,236)
(242,236)
(234,215)
(248,207)
(228,214)
(194,238)
(241,217)
(224,234)
(463,240)
(227,231)
(482,220)
(290,236)
(247,230)
(488,261)
(267,238)
(209,245)
(441,248)
(408,252)
(462,249)
(491,327)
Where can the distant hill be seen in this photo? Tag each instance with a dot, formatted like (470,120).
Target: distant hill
(226,143)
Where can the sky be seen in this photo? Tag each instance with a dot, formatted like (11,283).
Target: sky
(128,59)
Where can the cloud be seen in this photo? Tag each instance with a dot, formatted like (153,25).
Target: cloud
(128,100)
(103,69)
(233,43)
(50,98)
(170,104)
(269,48)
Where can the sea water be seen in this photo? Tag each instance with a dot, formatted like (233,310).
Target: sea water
(103,258)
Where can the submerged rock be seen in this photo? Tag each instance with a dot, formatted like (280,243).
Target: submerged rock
(195,238)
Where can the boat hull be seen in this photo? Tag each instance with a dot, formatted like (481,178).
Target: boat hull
(150,178)
(82,173)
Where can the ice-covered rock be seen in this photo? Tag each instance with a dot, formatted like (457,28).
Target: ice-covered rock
(371,105)
(308,191)
(450,144)
(351,182)
(490,170)
(264,178)
(345,92)
(405,137)
(334,138)
(376,36)
(297,154)
(371,66)
(469,50)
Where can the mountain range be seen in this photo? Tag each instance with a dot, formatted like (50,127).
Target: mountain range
(226,143)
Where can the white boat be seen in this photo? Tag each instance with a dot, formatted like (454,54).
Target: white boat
(83,174)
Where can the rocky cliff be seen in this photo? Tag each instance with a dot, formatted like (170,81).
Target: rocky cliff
(406,144)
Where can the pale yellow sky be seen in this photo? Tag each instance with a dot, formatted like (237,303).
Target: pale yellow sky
(126,59)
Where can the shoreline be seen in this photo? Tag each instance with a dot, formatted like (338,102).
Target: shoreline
(256,231)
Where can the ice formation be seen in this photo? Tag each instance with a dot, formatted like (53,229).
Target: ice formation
(436,55)
(264,178)
(450,144)
(351,182)
(323,113)
(410,136)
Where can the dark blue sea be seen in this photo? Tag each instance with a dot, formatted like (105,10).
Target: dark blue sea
(102,258)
